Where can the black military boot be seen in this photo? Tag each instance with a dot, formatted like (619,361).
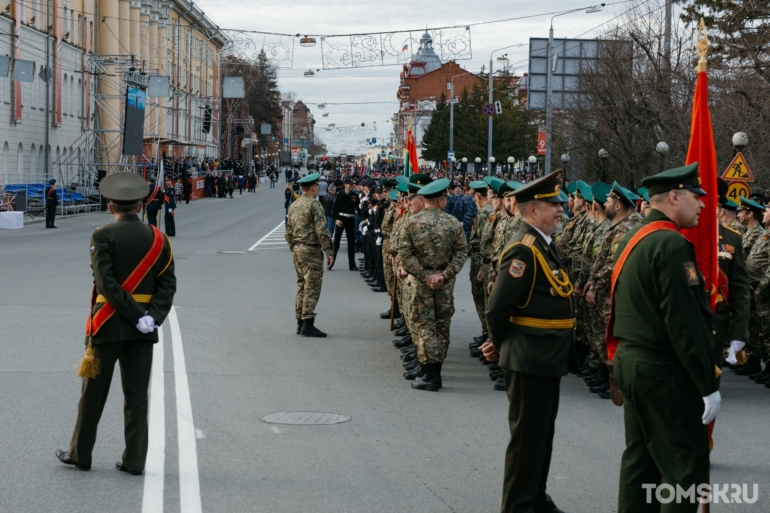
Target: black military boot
(309,329)
(600,378)
(409,350)
(408,357)
(588,372)
(411,365)
(402,331)
(600,388)
(385,315)
(414,372)
(398,324)
(752,366)
(430,381)
(404,341)
(481,338)
(760,374)
(299,326)
(475,352)
(500,384)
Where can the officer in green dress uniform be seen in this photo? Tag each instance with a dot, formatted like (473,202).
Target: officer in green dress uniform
(664,355)
(154,202)
(126,313)
(51,202)
(531,326)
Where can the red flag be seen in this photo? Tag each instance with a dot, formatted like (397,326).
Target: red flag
(702,150)
(411,164)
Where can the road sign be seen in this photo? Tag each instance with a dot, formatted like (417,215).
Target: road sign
(738,190)
(498,108)
(738,170)
(488,110)
(285,141)
(450,155)
(374,140)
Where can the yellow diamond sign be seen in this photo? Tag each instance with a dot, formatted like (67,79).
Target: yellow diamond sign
(738,170)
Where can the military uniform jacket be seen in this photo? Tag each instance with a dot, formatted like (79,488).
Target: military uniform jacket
(759,264)
(505,230)
(662,314)
(562,245)
(306,224)
(388,220)
(750,238)
(488,237)
(116,249)
(591,246)
(601,272)
(734,280)
(531,311)
(154,202)
(51,198)
(482,216)
(433,242)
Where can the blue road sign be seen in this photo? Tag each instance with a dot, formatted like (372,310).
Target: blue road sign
(488,109)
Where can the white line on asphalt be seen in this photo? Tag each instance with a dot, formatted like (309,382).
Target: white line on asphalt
(152,501)
(266,236)
(189,484)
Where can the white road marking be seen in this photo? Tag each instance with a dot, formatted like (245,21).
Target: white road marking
(152,501)
(189,483)
(266,236)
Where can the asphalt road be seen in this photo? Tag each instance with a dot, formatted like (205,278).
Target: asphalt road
(230,355)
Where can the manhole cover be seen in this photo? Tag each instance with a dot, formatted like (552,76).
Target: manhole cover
(304,418)
(232,252)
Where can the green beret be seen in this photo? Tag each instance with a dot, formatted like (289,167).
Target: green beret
(587,194)
(599,191)
(678,178)
(393,195)
(542,189)
(420,179)
(123,188)
(478,186)
(509,187)
(310,179)
(435,189)
(401,179)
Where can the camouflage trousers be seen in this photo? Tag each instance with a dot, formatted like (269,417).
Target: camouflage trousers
(477,290)
(387,271)
(403,296)
(599,317)
(430,313)
(309,264)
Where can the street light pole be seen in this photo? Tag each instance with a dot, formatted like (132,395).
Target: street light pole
(549,83)
(451,126)
(603,154)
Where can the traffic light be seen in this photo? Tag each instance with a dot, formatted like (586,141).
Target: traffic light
(390,155)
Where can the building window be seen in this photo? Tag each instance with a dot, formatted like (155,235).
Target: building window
(20,163)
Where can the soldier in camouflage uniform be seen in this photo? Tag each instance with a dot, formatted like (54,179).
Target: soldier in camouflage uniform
(400,218)
(594,331)
(307,235)
(750,214)
(488,235)
(619,208)
(469,215)
(576,248)
(432,250)
(507,226)
(758,262)
(575,225)
(484,210)
(762,296)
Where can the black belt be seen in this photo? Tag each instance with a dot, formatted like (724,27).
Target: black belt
(309,245)
(345,215)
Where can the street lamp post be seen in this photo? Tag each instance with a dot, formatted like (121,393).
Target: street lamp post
(662,149)
(452,101)
(491,165)
(477,168)
(465,165)
(532,161)
(565,158)
(511,160)
(549,87)
(740,141)
(603,154)
(491,96)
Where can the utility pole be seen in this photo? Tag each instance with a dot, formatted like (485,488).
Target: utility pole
(452,126)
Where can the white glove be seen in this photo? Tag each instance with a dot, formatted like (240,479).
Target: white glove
(735,346)
(713,403)
(170,210)
(146,324)
(379,241)
(366,229)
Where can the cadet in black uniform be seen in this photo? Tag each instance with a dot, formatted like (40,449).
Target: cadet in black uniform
(343,212)
(51,202)
(168,211)
(154,203)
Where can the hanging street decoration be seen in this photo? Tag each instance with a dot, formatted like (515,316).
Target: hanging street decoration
(246,46)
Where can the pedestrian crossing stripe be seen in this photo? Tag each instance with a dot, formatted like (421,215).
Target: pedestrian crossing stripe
(738,170)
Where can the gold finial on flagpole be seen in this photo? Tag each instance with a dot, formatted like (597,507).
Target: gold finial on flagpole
(410,122)
(702,46)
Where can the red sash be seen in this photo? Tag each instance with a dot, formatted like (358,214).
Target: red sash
(656,226)
(151,197)
(130,284)
(51,190)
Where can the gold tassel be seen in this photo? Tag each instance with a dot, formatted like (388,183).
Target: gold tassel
(741,357)
(717,371)
(90,366)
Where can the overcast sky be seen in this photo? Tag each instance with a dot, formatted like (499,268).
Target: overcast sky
(379,84)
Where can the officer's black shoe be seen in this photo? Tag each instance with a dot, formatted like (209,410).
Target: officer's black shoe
(481,338)
(603,395)
(65,458)
(379,289)
(309,329)
(762,380)
(409,349)
(597,380)
(398,324)
(352,268)
(411,365)
(409,357)
(402,331)
(299,326)
(601,388)
(760,374)
(430,381)
(415,372)
(385,315)
(403,341)
(500,384)
(119,465)
(752,367)
(587,373)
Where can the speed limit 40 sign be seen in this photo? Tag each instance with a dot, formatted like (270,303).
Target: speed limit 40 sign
(738,190)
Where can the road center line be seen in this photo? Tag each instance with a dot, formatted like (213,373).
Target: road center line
(152,501)
(189,483)
(266,236)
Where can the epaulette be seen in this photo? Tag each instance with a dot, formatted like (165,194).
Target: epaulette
(726,227)
(493,216)
(103,226)
(528,240)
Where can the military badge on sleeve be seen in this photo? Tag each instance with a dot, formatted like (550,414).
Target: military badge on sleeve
(517,268)
(691,272)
